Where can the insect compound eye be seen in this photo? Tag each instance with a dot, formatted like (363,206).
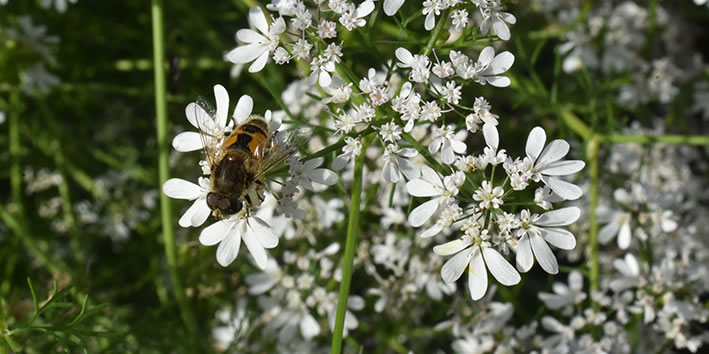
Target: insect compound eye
(212,201)
(235,206)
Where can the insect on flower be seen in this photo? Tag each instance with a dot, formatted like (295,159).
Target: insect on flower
(239,162)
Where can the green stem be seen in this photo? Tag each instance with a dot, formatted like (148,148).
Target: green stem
(575,123)
(592,155)
(665,139)
(163,167)
(353,228)
(436,33)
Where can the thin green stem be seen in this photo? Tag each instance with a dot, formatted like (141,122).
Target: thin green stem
(665,139)
(436,33)
(353,228)
(592,155)
(163,167)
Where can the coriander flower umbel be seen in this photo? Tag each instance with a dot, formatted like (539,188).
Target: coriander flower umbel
(489,197)
(538,230)
(258,45)
(475,252)
(547,164)
(353,16)
(432,185)
(448,141)
(178,188)
(229,233)
(420,64)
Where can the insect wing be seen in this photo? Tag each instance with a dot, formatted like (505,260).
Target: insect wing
(285,144)
(204,116)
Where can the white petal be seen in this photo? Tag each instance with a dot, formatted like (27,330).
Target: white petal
(563,168)
(215,233)
(501,63)
(498,81)
(258,19)
(486,55)
(500,268)
(435,145)
(257,251)
(608,231)
(430,21)
(249,36)
(228,249)
(260,62)
(447,155)
(559,217)
(196,215)
(535,143)
(324,79)
(243,108)
(421,188)
(322,176)
(180,189)
(576,280)
(566,190)
(624,236)
(222,105)
(187,141)
(458,146)
(525,258)
(431,176)
(433,231)
(263,233)
(451,247)
(454,267)
(246,53)
(508,17)
(560,238)
(544,255)
(392,6)
(389,172)
(555,151)
(492,138)
(423,212)
(408,168)
(309,327)
(191,114)
(364,9)
(477,276)
(501,29)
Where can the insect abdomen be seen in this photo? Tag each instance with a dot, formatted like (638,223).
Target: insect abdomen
(251,136)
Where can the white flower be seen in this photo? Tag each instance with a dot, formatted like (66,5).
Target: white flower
(229,233)
(451,92)
(352,148)
(432,185)
(565,295)
(321,67)
(449,142)
(198,213)
(538,230)
(618,225)
(490,154)
(420,64)
(301,49)
(390,132)
(353,17)
(213,127)
(460,19)
(258,45)
(489,66)
(396,160)
(431,9)
(547,164)
(629,269)
(327,29)
(476,254)
(339,91)
(305,173)
(59,5)
(489,197)
(392,6)
(498,20)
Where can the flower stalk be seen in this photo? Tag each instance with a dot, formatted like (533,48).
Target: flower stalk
(592,155)
(353,227)
(163,167)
